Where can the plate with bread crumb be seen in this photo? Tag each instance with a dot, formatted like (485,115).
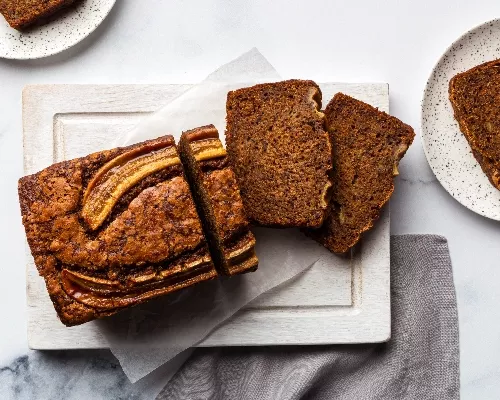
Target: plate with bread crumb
(35,29)
(461,120)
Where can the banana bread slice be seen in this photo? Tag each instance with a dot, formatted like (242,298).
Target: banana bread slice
(475,97)
(23,13)
(218,199)
(368,145)
(280,152)
(114,229)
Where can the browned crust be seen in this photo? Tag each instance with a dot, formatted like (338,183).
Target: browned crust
(154,230)
(22,13)
(368,145)
(475,97)
(219,201)
(280,152)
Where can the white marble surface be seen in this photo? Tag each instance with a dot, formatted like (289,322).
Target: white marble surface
(169,41)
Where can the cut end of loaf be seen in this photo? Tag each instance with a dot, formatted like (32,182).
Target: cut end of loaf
(218,200)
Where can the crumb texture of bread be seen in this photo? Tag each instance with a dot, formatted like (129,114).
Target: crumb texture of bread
(219,202)
(151,244)
(475,97)
(23,13)
(280,152)
(368,145)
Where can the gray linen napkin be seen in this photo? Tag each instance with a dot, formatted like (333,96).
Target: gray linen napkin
(421,361)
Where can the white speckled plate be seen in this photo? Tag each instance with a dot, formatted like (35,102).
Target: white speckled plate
(69,28)
(446,148)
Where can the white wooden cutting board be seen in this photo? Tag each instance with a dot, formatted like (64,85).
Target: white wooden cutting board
(346,301)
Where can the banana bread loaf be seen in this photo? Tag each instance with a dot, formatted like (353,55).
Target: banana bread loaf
(114,229)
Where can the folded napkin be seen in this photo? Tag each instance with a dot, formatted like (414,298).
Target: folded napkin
(421,361)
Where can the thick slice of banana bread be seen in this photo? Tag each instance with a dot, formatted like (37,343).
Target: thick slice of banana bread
(368,145)
(23,13)
(218,200)
(475,97)
(280,152)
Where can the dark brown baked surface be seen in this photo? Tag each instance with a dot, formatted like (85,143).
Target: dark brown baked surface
(475,97)
(23,13)
(218,199)
(114,229)
(368,145)
(280,152)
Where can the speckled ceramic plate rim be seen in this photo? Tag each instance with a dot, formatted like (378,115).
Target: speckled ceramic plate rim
(66,46)
(486,212)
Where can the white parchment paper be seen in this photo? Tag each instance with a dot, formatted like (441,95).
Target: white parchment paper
(163,331)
